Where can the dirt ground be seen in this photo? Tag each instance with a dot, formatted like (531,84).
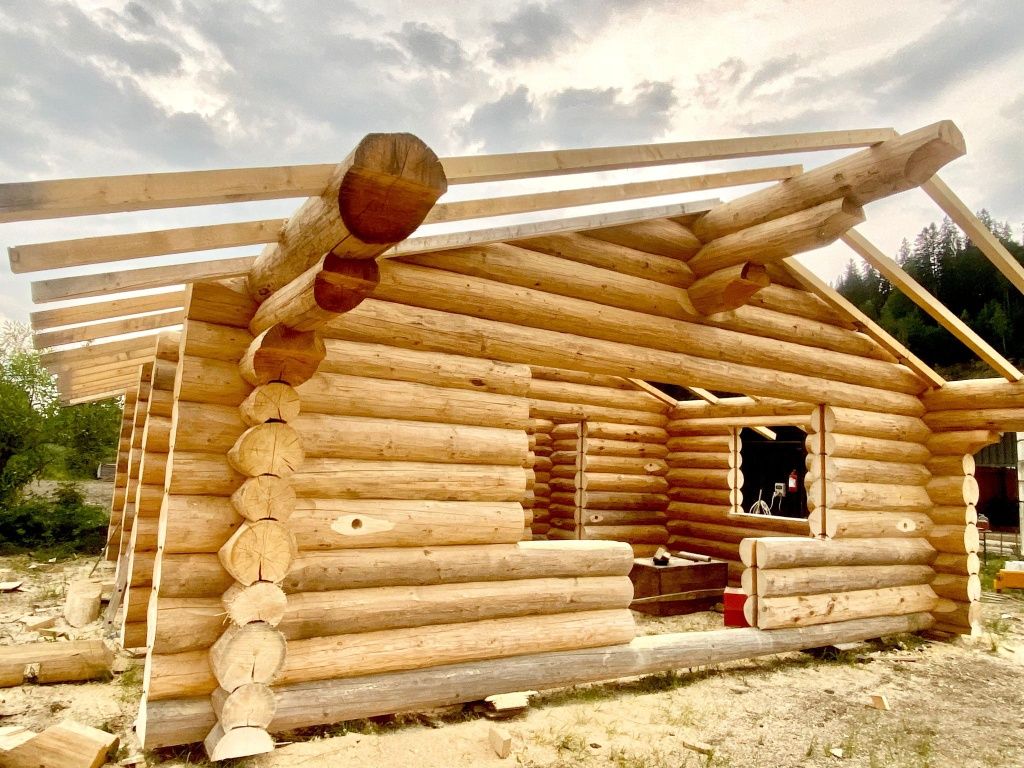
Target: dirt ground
(951,704)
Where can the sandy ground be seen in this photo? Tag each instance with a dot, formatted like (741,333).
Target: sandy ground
(951,704)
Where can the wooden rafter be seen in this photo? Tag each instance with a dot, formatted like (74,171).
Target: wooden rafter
(29,201)
(980,235)
(920,296)
(137,245)
(95,354)
(81,286)
(816,285)
(92,398)
(106,310)
(569,198)
(109,329)
(61,288)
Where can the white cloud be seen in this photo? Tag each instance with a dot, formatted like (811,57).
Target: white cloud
(114,86)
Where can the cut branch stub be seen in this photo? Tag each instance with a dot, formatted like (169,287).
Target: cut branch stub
(281,354)
(253,653)
(377,196)
(267,449)
(266,496)
(262,601)
(331,287)
(260,551)
(275,401)
(728,288)
(252,705)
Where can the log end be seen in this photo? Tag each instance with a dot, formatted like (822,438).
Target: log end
(394,181)
(342,284)
(947,145)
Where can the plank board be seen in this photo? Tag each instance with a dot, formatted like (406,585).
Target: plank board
(106,310)
(34,200)
(916,292)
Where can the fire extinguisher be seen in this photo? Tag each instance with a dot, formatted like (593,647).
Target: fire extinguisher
(792,483)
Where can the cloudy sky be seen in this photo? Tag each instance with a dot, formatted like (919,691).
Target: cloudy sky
(103,86)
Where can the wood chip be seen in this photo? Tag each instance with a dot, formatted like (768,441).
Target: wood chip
(697,746)
(501,741)
(503,701)
(35,623)
(878,701)
(10,586)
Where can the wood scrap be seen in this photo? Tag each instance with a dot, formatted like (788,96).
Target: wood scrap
(65,745)
(501,741)
(879,701)
(35,623)
(10,586)
(82,604)
(54,662)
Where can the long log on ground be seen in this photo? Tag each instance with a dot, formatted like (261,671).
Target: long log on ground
(185,674)
(376,197)
(181,721)
(54,662)
(405,326)
(893,166)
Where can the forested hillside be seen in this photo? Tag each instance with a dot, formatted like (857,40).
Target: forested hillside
(952,268)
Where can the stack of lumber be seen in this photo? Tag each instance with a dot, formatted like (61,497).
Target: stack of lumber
(801,582)
(403,501)
(135,577)
(541,447)
(706,483)
(964,416)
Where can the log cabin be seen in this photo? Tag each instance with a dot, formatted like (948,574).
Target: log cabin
(405,454)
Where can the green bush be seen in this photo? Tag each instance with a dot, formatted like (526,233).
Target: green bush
(57,526)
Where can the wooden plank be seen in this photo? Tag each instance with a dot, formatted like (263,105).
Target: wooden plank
(108,329)
(816,285)
(94,398)
(451,240)
(158,277)
(503,167)
(95,353)
(27,201)
(106,310)
(540,201)
(914,291)
(96,250)
(979,234)
(654,392)
(81,286)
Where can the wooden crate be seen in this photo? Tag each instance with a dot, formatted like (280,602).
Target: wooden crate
(682,586)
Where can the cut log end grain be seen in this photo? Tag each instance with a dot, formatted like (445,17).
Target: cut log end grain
(238,742)
(267,449)
(254,653)
(265,496)
(392,184)
(262,601)
(342,284)
(260,551)
(252,705)
(281,354)
(275,401)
